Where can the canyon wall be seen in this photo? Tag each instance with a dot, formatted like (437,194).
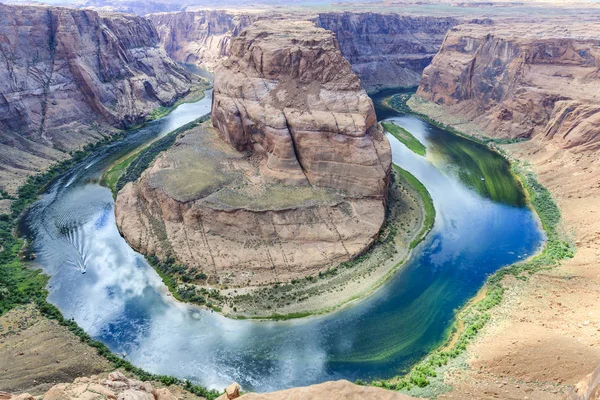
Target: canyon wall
(387,50)
(521,81)
(201,37)
(292,181)
(71,77)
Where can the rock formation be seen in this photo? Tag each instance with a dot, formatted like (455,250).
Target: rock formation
(70,77)
(114,386)
(387,50)
(117,386)
(521,80)
(296,100)
(292,181)
(201,37)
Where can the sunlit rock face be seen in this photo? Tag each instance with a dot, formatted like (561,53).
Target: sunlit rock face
(288,93)
(387,50)
(69,77)
(521,81)
(292,179)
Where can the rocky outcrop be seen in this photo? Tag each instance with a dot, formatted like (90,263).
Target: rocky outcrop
(288,93)
(387,50)
(70,77)
(200,37)
(114,386)
(521,81)
(292,181)
(117,386)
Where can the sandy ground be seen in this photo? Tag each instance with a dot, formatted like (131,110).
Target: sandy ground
(545,335)
(36,353)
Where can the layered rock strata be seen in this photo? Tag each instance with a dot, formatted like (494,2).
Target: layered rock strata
(292,181)
(70,77)
(387,50)
(521,80)
(199,37)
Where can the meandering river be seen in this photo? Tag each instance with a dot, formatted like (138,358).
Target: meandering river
(121,301)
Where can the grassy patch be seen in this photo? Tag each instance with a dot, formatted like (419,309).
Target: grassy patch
(405,137)
(131,167)
(428,207)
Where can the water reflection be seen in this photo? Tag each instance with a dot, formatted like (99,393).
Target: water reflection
(121,301)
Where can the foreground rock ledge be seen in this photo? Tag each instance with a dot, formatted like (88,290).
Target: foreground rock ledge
(292,181)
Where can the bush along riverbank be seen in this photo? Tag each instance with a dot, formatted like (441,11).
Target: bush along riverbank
(476,314)
(20,283)
(383,253)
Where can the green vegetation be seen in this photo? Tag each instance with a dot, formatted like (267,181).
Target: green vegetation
(131,167)
(428,207)
(192,97)
(475,315)
(405,137)
(20,284)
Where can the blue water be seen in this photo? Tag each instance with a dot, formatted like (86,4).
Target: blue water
(121,301)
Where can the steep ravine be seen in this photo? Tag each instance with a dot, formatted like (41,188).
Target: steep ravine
(386,50)
(71,77)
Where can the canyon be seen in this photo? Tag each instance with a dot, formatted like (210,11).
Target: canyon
(537,84)
(74,77)
(385,50)
(292,175)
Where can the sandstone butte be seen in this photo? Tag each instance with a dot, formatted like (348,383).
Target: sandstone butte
(291,180)
(73,77)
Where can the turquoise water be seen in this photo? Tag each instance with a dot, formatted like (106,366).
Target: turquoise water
(121,301)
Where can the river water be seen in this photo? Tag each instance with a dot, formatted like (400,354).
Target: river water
(121,301)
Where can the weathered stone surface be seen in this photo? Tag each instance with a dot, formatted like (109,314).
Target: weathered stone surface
(288,93)
(387,50)
(293,180)
(521,80)
(98,388)
(70,77)
(199,37)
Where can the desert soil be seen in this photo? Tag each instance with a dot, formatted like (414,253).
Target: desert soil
(37,353)
(545,335)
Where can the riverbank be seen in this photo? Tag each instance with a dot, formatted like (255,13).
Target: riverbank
(26,312)
(409,218)
(457,367)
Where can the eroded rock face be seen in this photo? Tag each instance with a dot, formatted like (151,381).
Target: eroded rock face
(521,80)
(199,37)
(69,77)
(387,50)
(292,181)
(115,386)
(288,93)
